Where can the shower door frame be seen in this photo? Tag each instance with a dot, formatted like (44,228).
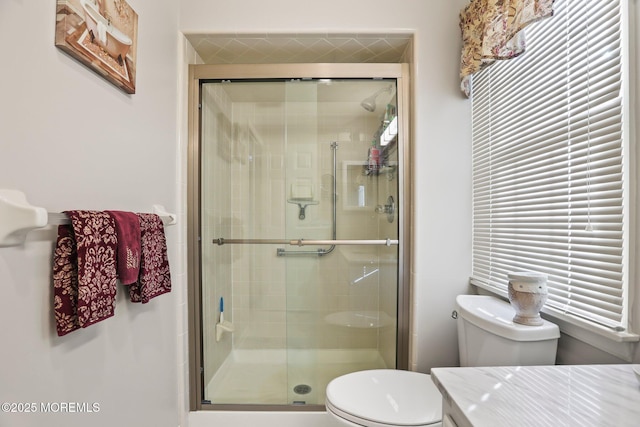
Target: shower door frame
(397,71)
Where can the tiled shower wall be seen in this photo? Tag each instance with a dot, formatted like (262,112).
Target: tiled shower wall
(281,302)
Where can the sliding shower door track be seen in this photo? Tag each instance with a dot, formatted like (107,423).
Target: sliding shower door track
(302,242)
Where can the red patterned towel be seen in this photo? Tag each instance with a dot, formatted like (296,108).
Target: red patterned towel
(84,271)
(155,278)
(128,257)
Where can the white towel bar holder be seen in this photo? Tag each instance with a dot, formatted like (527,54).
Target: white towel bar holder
(18,217)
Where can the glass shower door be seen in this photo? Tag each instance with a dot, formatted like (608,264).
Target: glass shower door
(341,297)
(299,225)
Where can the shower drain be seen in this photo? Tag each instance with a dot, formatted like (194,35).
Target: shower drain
(302,389)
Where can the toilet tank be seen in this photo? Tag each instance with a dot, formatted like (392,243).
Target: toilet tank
(487,335)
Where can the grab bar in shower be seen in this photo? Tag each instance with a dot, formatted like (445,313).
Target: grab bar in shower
(317,252)
(302,242)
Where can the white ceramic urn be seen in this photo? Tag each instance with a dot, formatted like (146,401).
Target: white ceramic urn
(527,295)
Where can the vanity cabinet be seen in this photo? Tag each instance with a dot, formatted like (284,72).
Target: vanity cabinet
(539,396)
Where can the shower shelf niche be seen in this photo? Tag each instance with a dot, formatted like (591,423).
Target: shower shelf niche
(355,176)
(355,173)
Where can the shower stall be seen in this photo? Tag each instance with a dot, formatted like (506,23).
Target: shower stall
(297,227)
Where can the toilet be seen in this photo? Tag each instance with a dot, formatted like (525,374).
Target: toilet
(487,336)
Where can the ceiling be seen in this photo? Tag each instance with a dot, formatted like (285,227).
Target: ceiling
(274,48)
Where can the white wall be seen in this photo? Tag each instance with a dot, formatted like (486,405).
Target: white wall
(71,140)
(442,134)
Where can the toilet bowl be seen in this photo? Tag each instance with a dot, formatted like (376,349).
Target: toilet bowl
(487,337)
(384,398)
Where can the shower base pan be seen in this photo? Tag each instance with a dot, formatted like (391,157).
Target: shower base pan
(281,377)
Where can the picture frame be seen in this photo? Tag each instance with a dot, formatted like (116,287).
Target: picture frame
(102,35)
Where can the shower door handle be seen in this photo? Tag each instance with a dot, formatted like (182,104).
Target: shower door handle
(303,242)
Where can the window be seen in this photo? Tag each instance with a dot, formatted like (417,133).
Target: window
(550,147)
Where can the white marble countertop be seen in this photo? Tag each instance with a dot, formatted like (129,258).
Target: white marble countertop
(539,396)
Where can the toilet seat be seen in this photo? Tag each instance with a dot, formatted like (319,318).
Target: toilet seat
(384,398)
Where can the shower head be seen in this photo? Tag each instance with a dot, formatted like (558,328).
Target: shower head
(369,103)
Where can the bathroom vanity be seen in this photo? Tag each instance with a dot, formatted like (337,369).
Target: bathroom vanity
(539,396)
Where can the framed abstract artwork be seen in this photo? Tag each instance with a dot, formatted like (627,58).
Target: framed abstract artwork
(102,35)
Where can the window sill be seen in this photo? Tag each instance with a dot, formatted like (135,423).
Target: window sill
(619,344)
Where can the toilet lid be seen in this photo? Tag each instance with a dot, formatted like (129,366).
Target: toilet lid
(385,397)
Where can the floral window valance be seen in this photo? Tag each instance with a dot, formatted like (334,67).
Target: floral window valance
(491,29)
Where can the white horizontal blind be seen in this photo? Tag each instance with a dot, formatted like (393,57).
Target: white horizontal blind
(548,163)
